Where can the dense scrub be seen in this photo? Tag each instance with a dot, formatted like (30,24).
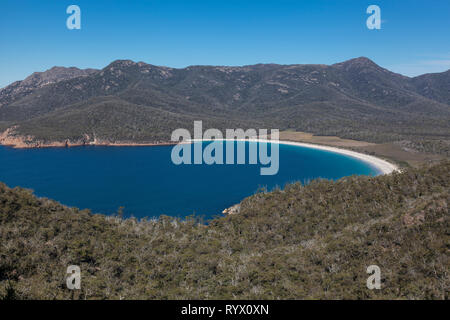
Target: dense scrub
(312,241)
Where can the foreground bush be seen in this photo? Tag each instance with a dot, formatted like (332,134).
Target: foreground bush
(312,242)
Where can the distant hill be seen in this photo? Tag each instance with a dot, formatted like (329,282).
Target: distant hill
(20,89)
(434,86)
(129,101)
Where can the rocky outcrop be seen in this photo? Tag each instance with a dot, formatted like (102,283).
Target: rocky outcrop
(232,210)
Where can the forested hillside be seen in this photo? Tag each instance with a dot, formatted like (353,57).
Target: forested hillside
(139,102)
(313,241)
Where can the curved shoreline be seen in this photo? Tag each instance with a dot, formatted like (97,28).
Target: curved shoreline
(381,165)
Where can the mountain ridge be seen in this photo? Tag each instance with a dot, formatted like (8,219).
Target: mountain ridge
(39,79)
(355,99)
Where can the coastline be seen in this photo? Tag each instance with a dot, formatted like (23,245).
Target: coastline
(7,139)
(39,145)
(20,142)
(381,165)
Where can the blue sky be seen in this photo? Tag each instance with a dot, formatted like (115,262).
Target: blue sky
(414,36)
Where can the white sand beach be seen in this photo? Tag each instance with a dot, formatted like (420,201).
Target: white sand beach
(383,166)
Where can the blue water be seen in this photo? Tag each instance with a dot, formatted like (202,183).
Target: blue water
(146,183)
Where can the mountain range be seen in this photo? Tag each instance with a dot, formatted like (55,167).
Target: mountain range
(138,102)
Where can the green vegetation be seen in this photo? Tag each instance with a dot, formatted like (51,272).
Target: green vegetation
(312,241)
(138,102)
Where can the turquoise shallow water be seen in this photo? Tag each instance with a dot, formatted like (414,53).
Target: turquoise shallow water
(146,182)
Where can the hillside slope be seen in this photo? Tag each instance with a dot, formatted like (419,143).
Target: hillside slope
(303,242)
(37,80)
(354,99)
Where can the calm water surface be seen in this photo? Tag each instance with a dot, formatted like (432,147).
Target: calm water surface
(146,182)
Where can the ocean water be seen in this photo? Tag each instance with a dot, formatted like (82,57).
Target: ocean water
(146,183)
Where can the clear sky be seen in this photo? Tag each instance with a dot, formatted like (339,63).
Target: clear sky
(414,36)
